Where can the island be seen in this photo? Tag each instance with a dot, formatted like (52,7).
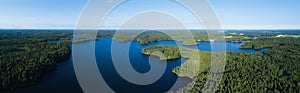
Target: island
(188,69)
(163,52)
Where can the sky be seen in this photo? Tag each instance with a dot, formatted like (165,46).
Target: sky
(232,14)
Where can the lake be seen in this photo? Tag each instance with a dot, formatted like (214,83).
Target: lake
(63,80)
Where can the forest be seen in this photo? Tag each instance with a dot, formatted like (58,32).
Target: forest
(168,52)
(25,56)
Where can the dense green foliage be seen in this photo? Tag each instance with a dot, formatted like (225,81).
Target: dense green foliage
(155,36)
(168,52)
(149,37)
(275,70)
(270,42)
(24,56)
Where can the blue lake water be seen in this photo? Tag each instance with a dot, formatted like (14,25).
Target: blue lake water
(63,80)
(230,47)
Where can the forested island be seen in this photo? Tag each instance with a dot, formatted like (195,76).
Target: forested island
(168,52)
(175,52)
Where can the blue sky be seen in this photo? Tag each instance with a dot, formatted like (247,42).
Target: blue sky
(233,14)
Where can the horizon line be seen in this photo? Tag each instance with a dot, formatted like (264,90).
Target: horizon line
(149,29)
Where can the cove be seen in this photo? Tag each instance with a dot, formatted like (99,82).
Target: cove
(64,80)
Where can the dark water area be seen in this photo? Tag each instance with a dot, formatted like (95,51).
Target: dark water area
(139,62)
(63,79)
